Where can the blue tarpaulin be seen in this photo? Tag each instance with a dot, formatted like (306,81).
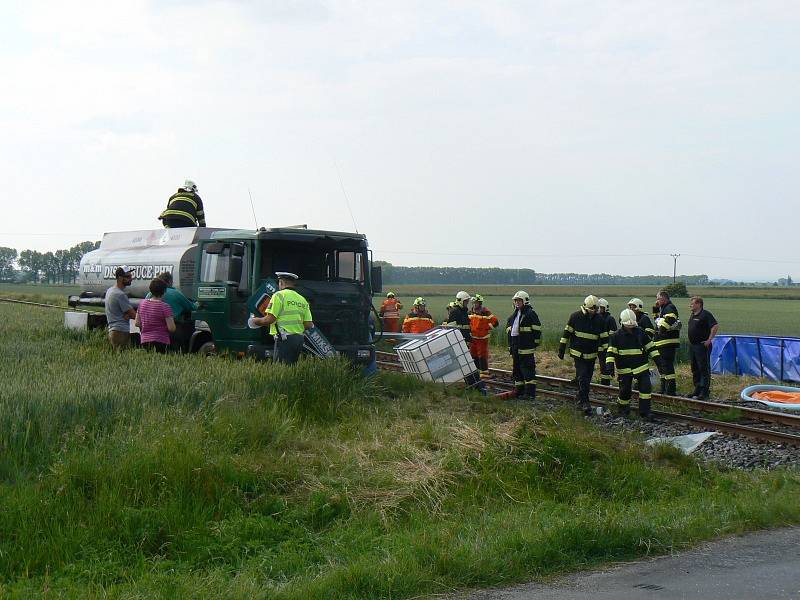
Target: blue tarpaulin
(776,358)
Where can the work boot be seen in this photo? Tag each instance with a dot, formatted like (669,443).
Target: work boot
(520,391)
(644,410)
(663,386)
(605,381)
(671,387)
(624,410)
(585,408)
(530,391)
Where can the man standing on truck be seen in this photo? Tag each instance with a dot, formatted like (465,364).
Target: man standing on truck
(184,208)
(288,316)
(119,310)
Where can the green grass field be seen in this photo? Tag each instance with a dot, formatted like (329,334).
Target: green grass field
(137,475)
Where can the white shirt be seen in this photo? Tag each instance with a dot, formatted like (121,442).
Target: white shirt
(515,325)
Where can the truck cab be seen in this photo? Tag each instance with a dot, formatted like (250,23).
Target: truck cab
(336,278)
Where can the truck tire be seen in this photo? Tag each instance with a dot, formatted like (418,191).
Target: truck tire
(207,349)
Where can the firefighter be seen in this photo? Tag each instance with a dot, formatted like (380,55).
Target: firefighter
(586,335)
(667,340)
(419,320)
(628,349)
(390,313)
(524,331)
(642,320)
(184,208)
(606,368)
(288,316)
(481,322)
(458,318)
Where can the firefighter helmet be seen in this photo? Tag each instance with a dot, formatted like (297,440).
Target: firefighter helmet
(419,301)
(628,318)
(390,294)
(462,295)
(637,302)
(477,298)
(590,302)
(602,303)
(522,295)
(190,186)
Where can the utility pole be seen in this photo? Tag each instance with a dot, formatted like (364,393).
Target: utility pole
(674,266)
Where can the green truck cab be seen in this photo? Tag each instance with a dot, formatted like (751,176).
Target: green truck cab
(336,277)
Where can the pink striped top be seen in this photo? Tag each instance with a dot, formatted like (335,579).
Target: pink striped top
(153,316)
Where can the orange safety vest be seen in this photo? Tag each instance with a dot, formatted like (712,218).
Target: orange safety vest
(481,323)
(417,322)
(390,309)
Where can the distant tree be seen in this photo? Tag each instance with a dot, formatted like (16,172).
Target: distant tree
(677,290)
(7,258)
(32,264)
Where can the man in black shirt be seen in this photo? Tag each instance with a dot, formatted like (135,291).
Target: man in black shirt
(702,329)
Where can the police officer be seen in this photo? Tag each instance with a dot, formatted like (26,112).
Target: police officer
(667,340)
(184,208)
(586,334)
(628,349)
(288,316)
(606,368)
(524,331)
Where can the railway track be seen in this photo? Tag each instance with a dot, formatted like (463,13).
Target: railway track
(775,427)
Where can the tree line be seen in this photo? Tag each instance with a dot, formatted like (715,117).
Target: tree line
(60,266)
(397,275)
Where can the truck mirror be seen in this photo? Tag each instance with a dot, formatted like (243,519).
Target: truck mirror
(214,248)
(376,278)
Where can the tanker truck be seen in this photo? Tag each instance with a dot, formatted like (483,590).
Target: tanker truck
(222,269)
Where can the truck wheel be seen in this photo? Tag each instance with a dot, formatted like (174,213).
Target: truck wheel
(207,349)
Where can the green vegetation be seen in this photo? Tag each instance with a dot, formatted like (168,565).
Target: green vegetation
(137,475)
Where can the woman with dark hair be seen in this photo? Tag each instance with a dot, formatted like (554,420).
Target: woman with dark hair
(154,318)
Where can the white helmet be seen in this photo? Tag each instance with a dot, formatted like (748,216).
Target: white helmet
(190,186)
(590,301)
(522,295)
(462,295)
(602,303)
(627,317)
(636,302)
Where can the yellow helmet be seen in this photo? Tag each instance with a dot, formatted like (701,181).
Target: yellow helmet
(419,301)
(477,298)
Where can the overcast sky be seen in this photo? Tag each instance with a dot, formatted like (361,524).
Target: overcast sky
(558,136)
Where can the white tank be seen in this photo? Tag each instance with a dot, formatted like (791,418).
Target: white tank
(149,252)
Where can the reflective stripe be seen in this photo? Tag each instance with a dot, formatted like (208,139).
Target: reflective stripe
(577,354)
(623,402)
(654,354)
(667,342)
(669,377)
(645,396)
(519,383)
(631,351)
(562,341)
(480,337)
(640,369)
(527,351)
(609,359)
(531,328)
(588,336)
(178,213)
(569,328)
(531,382)
(188,199)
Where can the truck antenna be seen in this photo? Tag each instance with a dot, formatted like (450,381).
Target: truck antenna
(253,208)
(346,198)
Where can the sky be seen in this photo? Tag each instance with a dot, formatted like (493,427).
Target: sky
(557,136)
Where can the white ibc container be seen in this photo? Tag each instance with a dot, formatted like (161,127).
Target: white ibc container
(442,356)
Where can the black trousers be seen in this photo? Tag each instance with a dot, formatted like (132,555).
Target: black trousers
(524,371)
(288,351)
(584,369)
(606,369)
(645,391)
(159,347)
(701,368)
(175,222)
(666,367)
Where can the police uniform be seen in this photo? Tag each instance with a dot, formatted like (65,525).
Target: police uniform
(291,311)
(586,334)
(524,331)
(667,340)
(184,209)
(628,350)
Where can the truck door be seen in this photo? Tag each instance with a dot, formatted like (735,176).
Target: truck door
(224,287)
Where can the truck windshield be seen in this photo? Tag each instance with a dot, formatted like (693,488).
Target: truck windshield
(314,263)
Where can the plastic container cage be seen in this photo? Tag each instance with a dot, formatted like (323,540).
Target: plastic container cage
(443,356)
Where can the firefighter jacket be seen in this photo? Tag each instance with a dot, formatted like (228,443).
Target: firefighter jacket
(185,206)
(390,309)
(417,322)
(586,333)
(665,334)
(530,329)
(611,322)
(644,322)
(481,323)
(628,349)
(459,319)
